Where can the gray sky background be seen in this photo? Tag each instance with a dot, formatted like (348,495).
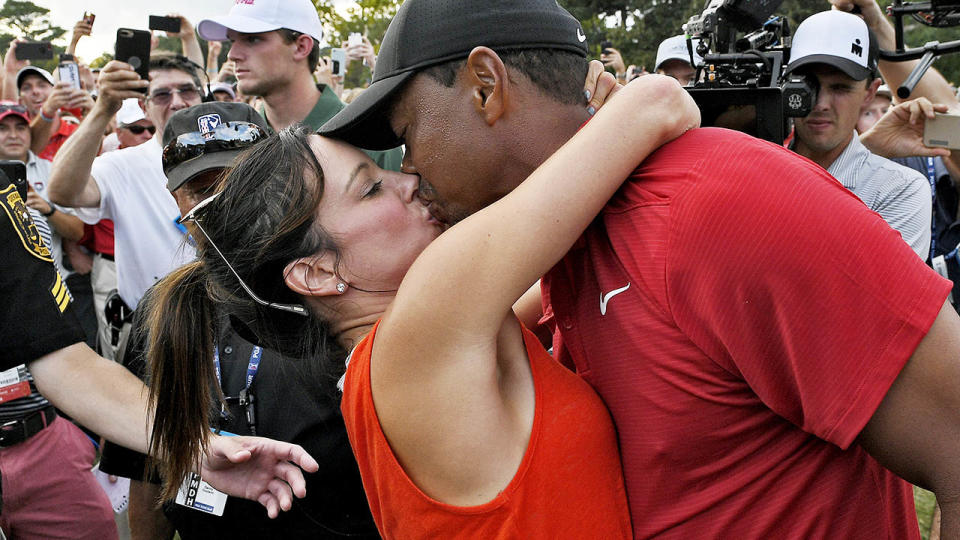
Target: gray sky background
(113,14)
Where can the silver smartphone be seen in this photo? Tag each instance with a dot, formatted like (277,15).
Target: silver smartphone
(338,62)
(942,131)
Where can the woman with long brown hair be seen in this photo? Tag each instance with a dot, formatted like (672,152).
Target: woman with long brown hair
(460,421)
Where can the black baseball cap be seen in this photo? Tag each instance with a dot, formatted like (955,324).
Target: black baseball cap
(425,33)
(205,119)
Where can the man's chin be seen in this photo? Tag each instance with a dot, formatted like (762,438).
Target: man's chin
(251,88)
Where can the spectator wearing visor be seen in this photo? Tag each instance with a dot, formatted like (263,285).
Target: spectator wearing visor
(275,47)
(222,91)
(841,53)
(673,59)
(265,393)
(133,126)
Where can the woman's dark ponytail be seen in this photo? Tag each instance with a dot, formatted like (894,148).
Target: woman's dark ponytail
(180,351)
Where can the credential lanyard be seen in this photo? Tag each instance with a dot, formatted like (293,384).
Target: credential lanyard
(246,398)
(932,178)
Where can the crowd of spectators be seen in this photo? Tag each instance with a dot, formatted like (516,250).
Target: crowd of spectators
(116,169)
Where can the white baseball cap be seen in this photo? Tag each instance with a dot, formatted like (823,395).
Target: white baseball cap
(129,112)
(675,48)
(838,39)
(255,16)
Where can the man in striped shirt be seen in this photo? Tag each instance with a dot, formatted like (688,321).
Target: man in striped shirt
(840,53)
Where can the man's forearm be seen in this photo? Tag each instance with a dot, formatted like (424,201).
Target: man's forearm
(100,394)
(192,50)
(8,91)
(40,132)
(70,180)
(932,86)
(67,226)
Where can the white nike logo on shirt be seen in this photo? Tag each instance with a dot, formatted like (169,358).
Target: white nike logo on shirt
(604,298)
(580,36)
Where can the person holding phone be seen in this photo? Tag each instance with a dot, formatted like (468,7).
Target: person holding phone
(128,185)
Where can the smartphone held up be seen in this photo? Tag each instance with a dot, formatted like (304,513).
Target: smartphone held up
(69,71)
(133,47)
(34,50)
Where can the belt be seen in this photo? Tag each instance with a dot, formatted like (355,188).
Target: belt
(105,256)
(21,429)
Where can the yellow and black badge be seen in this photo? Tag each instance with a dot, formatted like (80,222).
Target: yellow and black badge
(16,210)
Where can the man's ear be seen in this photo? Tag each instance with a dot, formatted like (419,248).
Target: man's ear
(487,76)
(872,90)
(312,276)
(304,45)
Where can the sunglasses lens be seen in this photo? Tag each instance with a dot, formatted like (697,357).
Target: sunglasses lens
(137,130)
(229,136)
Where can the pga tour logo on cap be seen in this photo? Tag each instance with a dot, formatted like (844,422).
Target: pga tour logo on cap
(208,123)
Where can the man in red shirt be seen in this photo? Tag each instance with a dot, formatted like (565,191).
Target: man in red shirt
(769,348)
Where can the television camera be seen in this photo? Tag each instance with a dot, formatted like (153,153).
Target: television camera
(741,85)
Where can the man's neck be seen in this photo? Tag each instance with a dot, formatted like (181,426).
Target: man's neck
(291,103)
(22,157)
(555,125)
(823,159)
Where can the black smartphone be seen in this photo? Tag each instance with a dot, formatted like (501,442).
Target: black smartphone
(89,18)
(133,47)
(34,50)
(167,24)
(605,47)
(16,172)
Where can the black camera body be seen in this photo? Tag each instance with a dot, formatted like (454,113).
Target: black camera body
(741,85)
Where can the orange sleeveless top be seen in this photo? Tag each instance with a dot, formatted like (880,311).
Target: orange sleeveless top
(569,484)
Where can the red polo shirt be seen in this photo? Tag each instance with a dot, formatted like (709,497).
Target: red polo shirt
(57,139)
(742,315)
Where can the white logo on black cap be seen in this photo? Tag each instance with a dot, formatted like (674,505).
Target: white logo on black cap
(208,124)
(580,37)
(856,49)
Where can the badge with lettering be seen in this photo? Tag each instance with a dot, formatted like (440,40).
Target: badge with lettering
(16,211)
(207,124)
(196,494)
(14,384)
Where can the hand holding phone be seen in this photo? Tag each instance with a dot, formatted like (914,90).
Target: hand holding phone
(89,18)
(170,25)
(34,50)
(133,47)
(338,62)
(942,131)
(69,71)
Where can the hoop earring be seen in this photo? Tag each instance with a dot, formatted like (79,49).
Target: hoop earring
(341,287)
